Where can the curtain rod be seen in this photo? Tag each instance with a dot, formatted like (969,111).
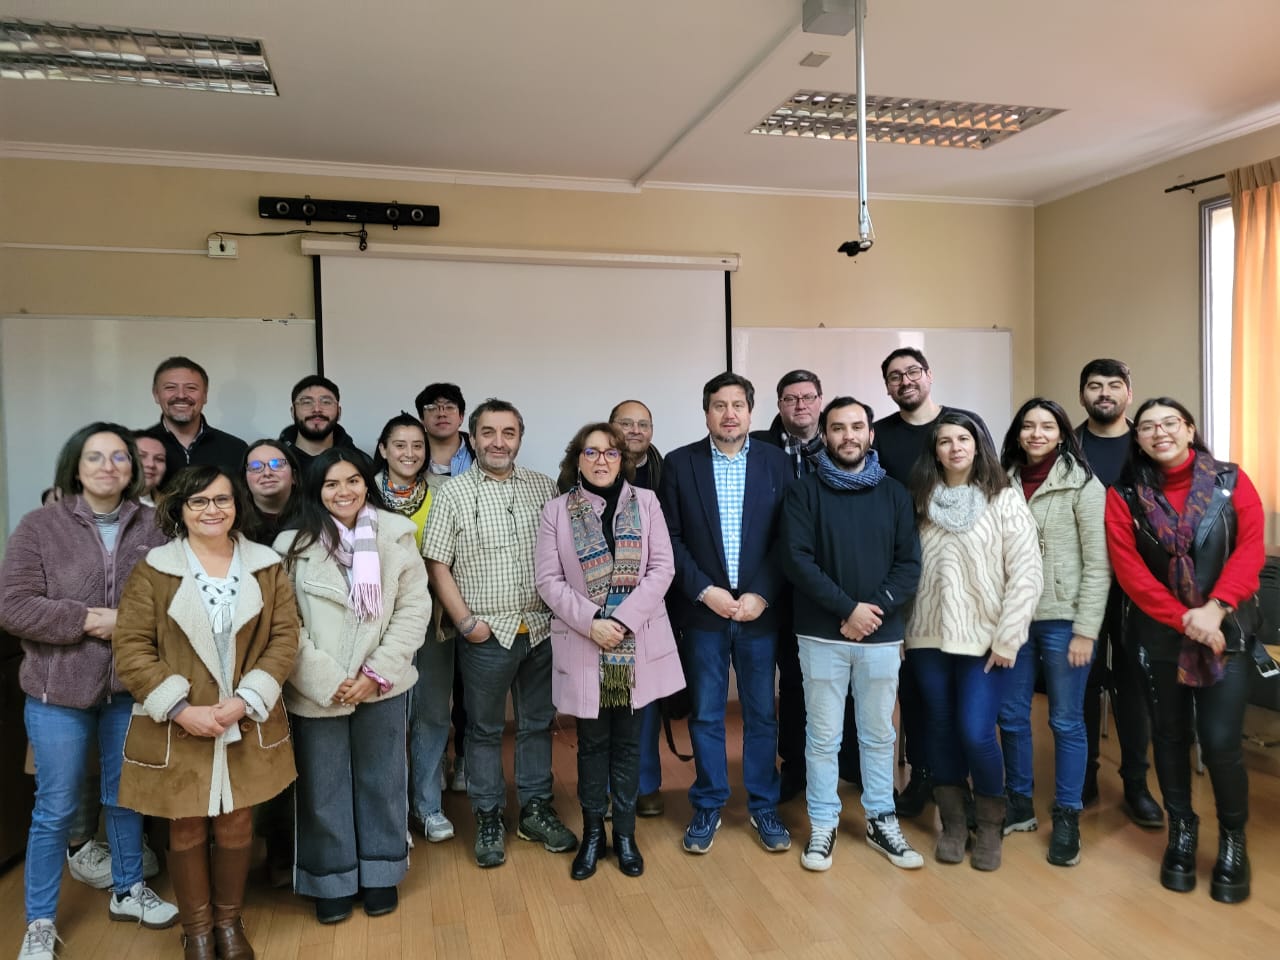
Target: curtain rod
(1192,184)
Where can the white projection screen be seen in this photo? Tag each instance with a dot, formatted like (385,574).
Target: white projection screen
(563,343)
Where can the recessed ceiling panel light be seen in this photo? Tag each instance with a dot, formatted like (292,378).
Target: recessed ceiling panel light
(50,50)
(823,115)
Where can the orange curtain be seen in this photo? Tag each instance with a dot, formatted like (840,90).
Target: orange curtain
(1255,337)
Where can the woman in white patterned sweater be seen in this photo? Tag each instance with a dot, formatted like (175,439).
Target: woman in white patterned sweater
(981,578)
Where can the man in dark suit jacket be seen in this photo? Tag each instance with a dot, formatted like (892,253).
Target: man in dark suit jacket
(721,496)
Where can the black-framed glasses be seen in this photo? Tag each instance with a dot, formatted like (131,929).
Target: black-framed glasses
(223,501)
(911,373)
(275,463)
(793,401)
(613,454)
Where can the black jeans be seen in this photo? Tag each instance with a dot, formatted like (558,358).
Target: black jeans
(791,712)
(609,754)
(1218,713)
(1128,698)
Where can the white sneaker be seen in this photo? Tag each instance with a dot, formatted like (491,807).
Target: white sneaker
(40,941)
(817,853)
(91,865)
(150,862)
(884,833)
(459,782)
(437,827)
(141,905)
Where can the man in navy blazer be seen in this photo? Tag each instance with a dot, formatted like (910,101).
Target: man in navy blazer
(721,496)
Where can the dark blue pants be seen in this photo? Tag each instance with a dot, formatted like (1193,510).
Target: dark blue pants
(962,702)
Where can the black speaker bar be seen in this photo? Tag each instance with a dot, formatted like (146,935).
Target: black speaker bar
(349,211)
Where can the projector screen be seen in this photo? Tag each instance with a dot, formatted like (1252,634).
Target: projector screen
(563,343)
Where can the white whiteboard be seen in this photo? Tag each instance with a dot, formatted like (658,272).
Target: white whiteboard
(563,343)
(972,369)
(59,373)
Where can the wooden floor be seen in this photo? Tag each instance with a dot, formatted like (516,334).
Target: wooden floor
(740,901)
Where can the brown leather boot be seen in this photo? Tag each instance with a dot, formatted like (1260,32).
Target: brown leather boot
(990,837)
(230,873)
(189,872)
(955,824)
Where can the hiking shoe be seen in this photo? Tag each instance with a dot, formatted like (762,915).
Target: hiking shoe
(538,822)
(40,941)
(773,835)
(458,784)
(1019,815)
(141,905)
(884,833)
(817,853)
(436,827)
(1064,843)
(915,795)
(91,865)
(701,832)
(491,839)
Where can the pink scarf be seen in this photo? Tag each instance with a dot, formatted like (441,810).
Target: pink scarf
(357,551)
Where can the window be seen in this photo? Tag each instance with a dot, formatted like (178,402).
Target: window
(1217,269)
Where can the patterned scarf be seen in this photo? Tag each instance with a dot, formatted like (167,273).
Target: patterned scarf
(610,580)
(406,504)
(1198,666)
(357,551)
(835,478)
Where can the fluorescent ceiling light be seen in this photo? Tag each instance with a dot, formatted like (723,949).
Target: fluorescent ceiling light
(823,115)
(48,50)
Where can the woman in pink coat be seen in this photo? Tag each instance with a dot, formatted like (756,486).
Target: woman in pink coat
(603,564)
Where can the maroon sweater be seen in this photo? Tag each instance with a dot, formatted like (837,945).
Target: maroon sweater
(56,567)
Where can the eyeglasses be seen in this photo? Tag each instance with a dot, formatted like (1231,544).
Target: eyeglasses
(223,501)
(441,408)
(911,373)
(805,399)
(275,463)
(613,454)
(634,424)
(1169,425)
(96,459)
(308,403)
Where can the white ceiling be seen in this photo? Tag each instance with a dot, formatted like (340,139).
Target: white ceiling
(663,91)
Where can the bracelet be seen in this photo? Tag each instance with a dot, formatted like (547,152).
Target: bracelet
(468,625)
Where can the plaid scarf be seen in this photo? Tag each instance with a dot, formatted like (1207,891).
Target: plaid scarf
(610,580)
(357,551)
(1198,666)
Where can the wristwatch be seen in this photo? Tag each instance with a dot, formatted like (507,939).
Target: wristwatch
(1226,607)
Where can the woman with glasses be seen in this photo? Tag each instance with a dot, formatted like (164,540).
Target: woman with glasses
(207,634)
(1045,463)
(271,473)
(64,569)
(980,580)
(602,563)
(1186,538)
(362,593)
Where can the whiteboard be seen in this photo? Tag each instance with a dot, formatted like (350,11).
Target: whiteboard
(59,373)
(972,369)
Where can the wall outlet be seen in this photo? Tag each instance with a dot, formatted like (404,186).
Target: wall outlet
(223,247)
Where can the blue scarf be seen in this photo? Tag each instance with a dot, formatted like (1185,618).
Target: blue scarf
(835,478)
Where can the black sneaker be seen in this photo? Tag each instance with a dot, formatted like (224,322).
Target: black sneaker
(1019,815)
(915,795)
(1064,844)
(491,839)
(885,834)
(539,823)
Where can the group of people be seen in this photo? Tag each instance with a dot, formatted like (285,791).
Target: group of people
(228,622)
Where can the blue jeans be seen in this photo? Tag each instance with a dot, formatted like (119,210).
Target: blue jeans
(1047,643)
(650,747)
(961,702)
(830,671)
(429,724)
(710,653)
(61,738)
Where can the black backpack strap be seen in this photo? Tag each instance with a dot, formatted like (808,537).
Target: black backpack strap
(671,740)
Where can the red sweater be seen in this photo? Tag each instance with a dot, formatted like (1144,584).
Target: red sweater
(1239,578)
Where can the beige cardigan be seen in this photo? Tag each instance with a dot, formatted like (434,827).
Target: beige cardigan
(1068,508)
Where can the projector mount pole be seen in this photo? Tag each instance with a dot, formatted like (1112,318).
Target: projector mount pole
(866,233)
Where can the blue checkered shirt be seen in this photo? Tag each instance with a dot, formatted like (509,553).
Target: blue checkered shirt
(730,475)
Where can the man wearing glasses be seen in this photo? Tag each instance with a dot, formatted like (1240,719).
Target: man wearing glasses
(636,423)
(180,387)
(316,410)
(441,408)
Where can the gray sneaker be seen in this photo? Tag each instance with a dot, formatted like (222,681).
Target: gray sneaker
(91,865)
(40,942)
(491,839)
(538,822)
(141,905)
(437,827)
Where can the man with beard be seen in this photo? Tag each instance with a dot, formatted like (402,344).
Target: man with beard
(850,550)
(900,438)
(314,403)
(1106,390)
(180,387)
(478,544)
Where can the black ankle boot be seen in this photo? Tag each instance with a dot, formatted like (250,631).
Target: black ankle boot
(592,847)
(1178,869)
(1231,873)
(1141,806)
(629,860)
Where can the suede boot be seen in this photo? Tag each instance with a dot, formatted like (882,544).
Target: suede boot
(592,848)
(230,873)
(1230,882)
(629,860)
(189,872)
(990,836)
(955,825)
(1178,869)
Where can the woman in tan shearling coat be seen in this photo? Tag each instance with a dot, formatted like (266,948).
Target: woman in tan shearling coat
(206,634)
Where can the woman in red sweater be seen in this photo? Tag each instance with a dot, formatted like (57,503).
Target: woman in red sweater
(1185,533)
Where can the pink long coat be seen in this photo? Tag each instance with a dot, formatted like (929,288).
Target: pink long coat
(575,678)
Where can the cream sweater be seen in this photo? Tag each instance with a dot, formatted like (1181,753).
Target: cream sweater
(979,588)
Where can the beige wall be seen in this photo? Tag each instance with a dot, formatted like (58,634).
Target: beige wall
(1117,273)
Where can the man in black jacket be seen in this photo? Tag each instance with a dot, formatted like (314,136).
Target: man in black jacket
(316,407)
(851,552)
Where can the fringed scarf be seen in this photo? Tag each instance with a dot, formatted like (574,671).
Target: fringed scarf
(357,551)
(610,579)
(1198,666)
